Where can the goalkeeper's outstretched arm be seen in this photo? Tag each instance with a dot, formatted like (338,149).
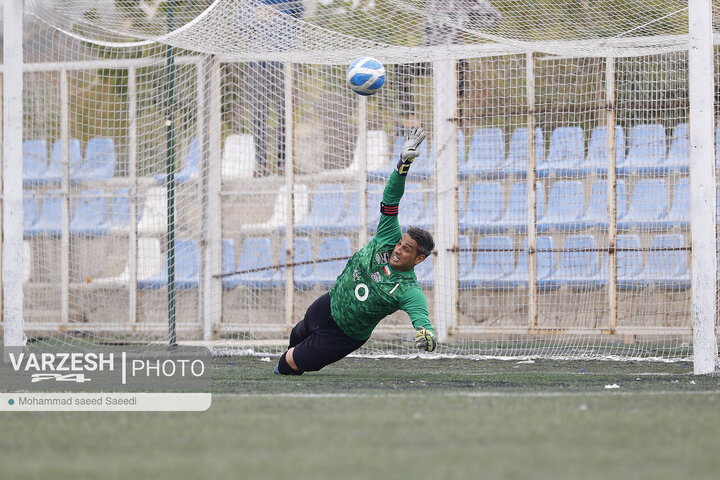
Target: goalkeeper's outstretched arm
(389,228)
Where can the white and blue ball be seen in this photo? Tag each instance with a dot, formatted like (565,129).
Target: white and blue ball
(366,76)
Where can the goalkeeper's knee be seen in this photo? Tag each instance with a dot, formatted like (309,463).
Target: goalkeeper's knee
(284,368)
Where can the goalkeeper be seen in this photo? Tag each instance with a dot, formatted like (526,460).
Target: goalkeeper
(377,281)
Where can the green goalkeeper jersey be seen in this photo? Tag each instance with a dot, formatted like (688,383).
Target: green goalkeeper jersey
(369,289)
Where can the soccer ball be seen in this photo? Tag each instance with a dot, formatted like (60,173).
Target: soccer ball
(365,76)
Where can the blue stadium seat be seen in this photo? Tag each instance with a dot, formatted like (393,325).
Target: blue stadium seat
(517,161)
(255,258)
(596,161)
(31,212)
(34,158)
(99,161)
(646,155)
(516,216)
(327,272)
(120,209)
(351,221)
(190,165)
(666,268)
(228,264)
(187,268)
(565,208)
(465,262)
(545,259)
(90,216)
(648,205)
(374,197)
(484,208)
(578,265)
(414,210)
(486,157)
(494,261)
(55,169)
(327,210)
(567,151)
(629,261)
(679,215)
(422,168)
(597,211)
(49,222)
(678,159)
(304,264)
(425,273)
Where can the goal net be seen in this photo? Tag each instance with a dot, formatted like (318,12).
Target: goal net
(199,171)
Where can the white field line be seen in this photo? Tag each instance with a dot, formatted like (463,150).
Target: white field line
(466,394)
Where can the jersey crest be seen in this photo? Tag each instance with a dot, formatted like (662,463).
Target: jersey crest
(382,257)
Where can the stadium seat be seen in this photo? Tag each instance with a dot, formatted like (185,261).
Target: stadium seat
(414,210)
(596,161)
(49,222)
(34,158)
(462,156)
(565,207)
(153,220)
(486,157)
(379,164)
(516,215)
(666,268)
(648,205)
(150,270)
(227,262)
(646,155)
(545,262)
(255,259)
(597,211)
(90,214)
(374,198)
(120,203)
(327,210)
(303,268)
(494,260)
(629,261)
(31,212)
(55,168)
(578,264)
(678,159)
(567,151)
(326,272)
(277,221)
(465,261)
(517,161)
(425,273)
(190,165)
(99,161)
(484,208)
(238,159)
(187,268)
(679,215)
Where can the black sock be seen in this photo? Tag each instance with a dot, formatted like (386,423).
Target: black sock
(284,367)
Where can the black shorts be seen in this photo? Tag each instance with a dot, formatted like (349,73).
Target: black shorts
(317,339)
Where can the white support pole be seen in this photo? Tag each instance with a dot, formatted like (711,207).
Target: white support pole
(289,198)
(531,193)
(12,265)
(65,187)
(702,185)
(446,239)
(133,163)
(611,143)
(362,168)
(212,302)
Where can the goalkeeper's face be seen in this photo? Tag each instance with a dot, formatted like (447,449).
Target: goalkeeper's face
(405,254)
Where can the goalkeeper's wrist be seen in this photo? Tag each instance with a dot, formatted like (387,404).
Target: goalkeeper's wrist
(403,166)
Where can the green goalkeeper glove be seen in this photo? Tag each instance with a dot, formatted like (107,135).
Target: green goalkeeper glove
(413,138)
(425,340)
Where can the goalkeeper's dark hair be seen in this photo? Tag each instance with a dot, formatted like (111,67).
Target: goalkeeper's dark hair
(424,240)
